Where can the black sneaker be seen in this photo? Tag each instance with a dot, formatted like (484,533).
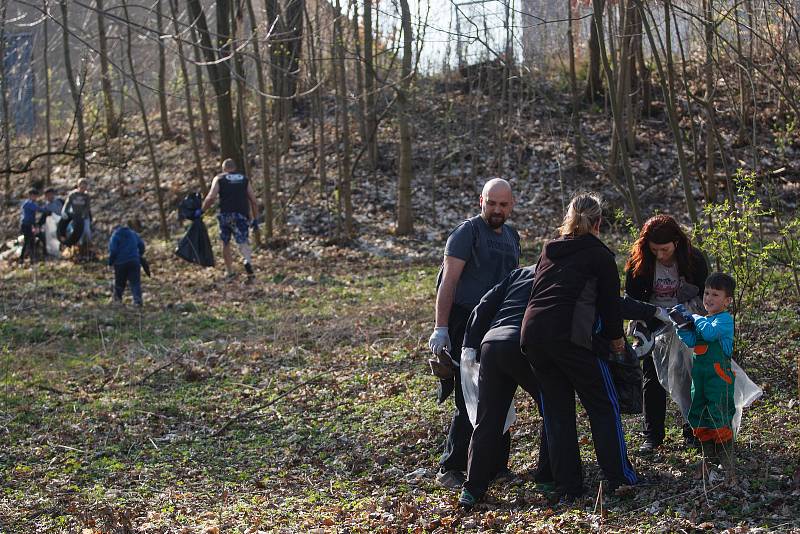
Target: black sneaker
(249,269)
(466,501)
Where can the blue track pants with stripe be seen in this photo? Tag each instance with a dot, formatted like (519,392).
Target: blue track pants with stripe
(562,369)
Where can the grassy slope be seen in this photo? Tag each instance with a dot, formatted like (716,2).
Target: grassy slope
(92,437)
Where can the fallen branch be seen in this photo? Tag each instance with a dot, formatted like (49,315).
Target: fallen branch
(258,407)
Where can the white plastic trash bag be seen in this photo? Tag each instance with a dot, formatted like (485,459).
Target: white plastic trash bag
(51,235)
(470,371)
(673,363)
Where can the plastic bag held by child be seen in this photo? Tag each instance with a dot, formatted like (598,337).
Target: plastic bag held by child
(470,371)
(673,363)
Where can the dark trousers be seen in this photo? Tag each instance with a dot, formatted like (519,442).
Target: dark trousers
(562,369)
(502,369)
(454,457)
(128,273)
(654,404)
(28,243)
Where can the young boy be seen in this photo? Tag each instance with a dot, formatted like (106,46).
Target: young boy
(712,407)
(27,220)
(125,251)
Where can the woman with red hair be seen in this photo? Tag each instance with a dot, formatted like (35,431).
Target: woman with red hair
(663,269)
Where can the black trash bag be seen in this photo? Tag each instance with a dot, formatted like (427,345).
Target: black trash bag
(626,374)
(69,230)
(195,247)
(187,209)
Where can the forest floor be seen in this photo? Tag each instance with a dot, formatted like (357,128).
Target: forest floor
(301,403)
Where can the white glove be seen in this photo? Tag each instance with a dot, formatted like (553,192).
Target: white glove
(469,355)
(440,339)
(662,314)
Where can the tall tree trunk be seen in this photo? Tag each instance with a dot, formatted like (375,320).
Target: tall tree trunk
(219,72)
(47,102)
(166,130)
(148,138)
(201,93)
(345,198)
(361,105)
(187,94)
(4,103)
(668,87)
(618,126)
(573,85)
(294,24)
(405,219)
(594,81)
(369,88)
(708,71)
(112,121)
(263,127)
(74,90)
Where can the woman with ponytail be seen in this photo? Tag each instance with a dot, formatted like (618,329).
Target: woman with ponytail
(575,295)
(663,269)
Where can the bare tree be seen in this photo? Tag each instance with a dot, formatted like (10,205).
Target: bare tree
(201,92)
(187,94)
(4,102)
(405,219)
(75,91)
(47,101)
(369,88)
(166,129)
(148,138)
(345,196)
(112,121)
(219,71)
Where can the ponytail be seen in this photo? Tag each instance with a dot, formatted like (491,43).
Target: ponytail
(582,215)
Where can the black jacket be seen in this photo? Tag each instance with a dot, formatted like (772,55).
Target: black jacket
(498,315)
(576,284)
(641,287)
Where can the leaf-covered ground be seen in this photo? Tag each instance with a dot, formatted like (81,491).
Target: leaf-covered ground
(300,403)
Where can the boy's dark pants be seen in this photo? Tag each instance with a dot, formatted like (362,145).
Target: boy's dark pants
(502,369)
(128,272)
(28,244)
(562,369)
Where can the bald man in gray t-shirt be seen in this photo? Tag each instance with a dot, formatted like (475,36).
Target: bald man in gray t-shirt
(479,254)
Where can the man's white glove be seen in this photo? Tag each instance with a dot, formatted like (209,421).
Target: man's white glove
(469,355)
(440,339)
(662,315)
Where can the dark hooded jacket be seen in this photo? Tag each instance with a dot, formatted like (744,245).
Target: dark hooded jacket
(575,286)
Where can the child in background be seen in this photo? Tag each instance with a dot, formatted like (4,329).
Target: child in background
(27,220)
(125,251)
(712,407)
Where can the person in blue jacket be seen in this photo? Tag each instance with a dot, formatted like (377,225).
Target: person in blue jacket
(711,338)
(125,250)
(27,219)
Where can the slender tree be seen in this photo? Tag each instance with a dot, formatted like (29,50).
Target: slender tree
(74,90)
(166,129)
(263,127)
(369,88)
(345,197)
(148,138)
(219,72)
(112,121)
(47,99)
(4,103)
(187,94)
(405,220)
(208,143)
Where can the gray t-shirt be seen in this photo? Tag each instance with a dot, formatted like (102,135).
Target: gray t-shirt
(490,257)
